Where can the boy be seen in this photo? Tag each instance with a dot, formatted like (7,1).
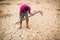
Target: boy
(24,10)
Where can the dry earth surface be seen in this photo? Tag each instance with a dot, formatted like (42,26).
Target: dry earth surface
(45,24)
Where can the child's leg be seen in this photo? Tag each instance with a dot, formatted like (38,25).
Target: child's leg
(21,23)
(21,18)
(27,20)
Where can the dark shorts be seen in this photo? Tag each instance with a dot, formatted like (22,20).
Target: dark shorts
(24,14)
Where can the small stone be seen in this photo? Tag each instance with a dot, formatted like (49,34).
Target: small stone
(19,35)
(58,9)
(33,34)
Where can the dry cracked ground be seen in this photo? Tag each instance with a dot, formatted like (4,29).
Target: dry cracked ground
(44,24)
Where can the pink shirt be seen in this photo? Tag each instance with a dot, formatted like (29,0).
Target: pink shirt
(22,8)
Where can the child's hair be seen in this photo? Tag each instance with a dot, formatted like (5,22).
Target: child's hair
(26,8)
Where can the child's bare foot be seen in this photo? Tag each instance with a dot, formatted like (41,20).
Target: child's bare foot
(20,27)
(28,27)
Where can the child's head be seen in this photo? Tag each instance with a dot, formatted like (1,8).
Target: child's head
(26,8)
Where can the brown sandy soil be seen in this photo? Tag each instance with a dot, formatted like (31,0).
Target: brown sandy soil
(42,27)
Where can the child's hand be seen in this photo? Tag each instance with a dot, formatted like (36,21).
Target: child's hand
(30,13)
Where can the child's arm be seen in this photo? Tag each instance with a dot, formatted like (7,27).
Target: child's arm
(30,12)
